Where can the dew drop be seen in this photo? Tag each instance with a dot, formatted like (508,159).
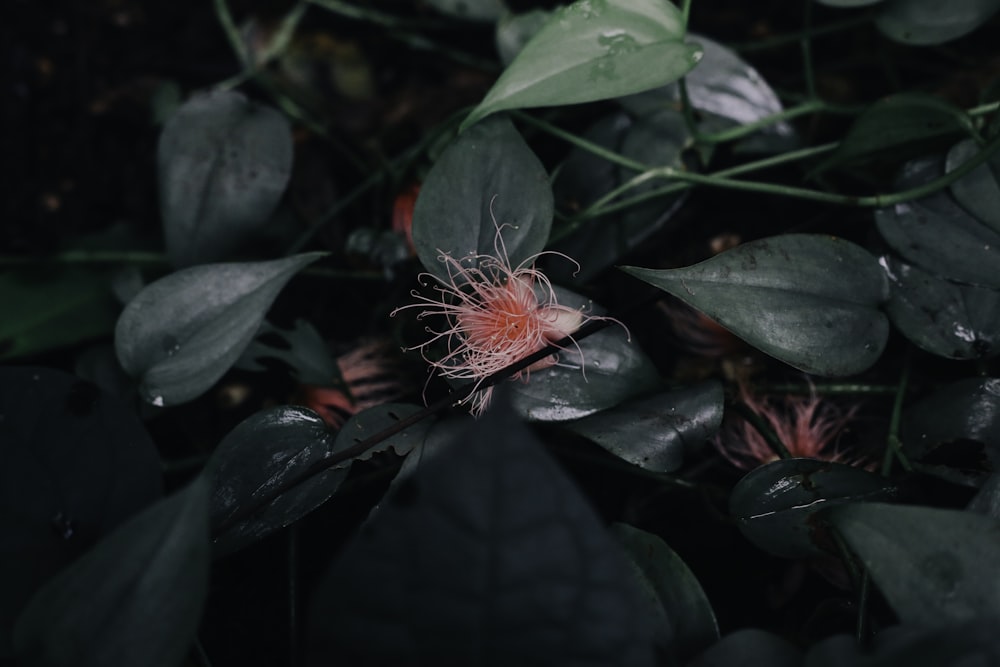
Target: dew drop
(157,401)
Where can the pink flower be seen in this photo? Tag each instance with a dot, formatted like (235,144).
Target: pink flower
(494,315)
(807,426)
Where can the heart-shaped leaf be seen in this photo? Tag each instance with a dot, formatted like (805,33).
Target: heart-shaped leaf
(811,301)
(926,22)
(266,452)
(965,410)
(488,550)
(978,191)
(936,233)
(945,318)
(657,432)
(488,177)
(134,599)
(594,50)
(182,332)
(223,164)
(76,463)
(775,505)
(934,566)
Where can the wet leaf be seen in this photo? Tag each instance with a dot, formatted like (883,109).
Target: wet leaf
(265,452)
(934,566)
(978,192)
(180,334)
(656,138)
(899,127)
(601,371)
(223,163)
(76,463)
(487,177)
(927,22)
(674,589)
(134,599)
(775,505)
(594,50)
(965,410)
(937,234)
(945,318)
(750,647)
(486,550)
(374,420)
(811,301)
(657,432)
(472,10)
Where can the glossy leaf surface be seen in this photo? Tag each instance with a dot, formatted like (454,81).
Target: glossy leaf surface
(978,192)
(266,452)
(487,177)
(180,334)
(487,550)
(374,420)
(775,505)
(965,410)
(937,234)
(659,431)
(223,163)
(134,599)
(811,301)
(594,50)
(945,318)
(928,22)
(934,566)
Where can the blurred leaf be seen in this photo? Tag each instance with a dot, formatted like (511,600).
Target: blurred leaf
(727,92)
(978,191)
(181,333)
(488,550)
(937,234)
(302,348)
(928,22)
(674,588)
(934,566)
(594,50)
(472,10)
(62,306)
(945,318)
(848,3)
(657,432)
(808,300)
(374,420)
(899,127)
(965,410)
(775,505)
(513,31)
(656,138)
(263,453)
(748,648)
(953,645)
(987,499)
(74,464)
(223,163)
(600,371)
(487,177)
(134,599)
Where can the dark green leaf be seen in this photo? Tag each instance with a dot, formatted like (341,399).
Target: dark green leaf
(943,317)
(848,3)
(952,645)
(978,191)
(594,50)
(776,505)
(63,306)
(811,301)
(488,550)
(934,566)
(927,22)
(182,332)
(938,234)
(308,356)
(487,177)
(134,599)
(74,464)
(965,410)
(749,648)
(601,371)
(657,432)
(900,127)
(987,499)
(674,588)
(472,10)
(266,452)
(656,138)
(223,164)
(374,420)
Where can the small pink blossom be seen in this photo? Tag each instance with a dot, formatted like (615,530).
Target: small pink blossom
(807,426)
(494,314)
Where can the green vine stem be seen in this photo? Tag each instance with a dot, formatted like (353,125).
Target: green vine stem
(893,443)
